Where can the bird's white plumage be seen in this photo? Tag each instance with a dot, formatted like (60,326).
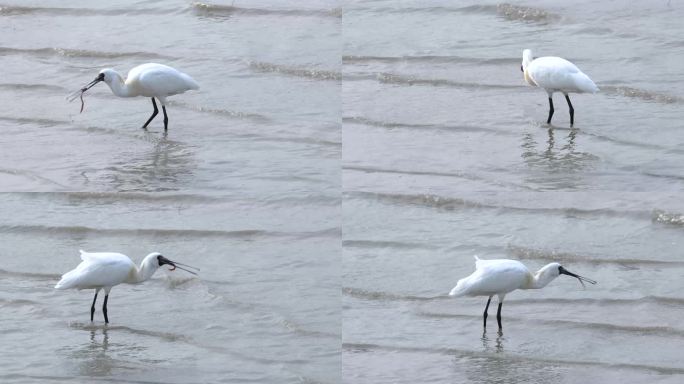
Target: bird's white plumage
(158,80)
(98,270)
(556,74)
(499,277)
(149,80)
(104,270)
(493,277)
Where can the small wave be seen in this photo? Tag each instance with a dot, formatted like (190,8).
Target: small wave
(524,253)
(366,347)
(30,275)
(31,176)
(390,78)
(167,336)
(297,329)
(32,120)
(432,127)
(289,139)
(39,87)
(427,200)
(460,175)
(221,112)
(506,11)
(664,175)
(668,218)
(620,141)
(356,59)
(15,10)
(316,74)
(641,94)
(217,10)
(386,296)
(176,233)
(80,53)
(513,12)
(106,197)
(389,296)
(453,203)
(657,300)
(555,323)
(17,302)
(385,244)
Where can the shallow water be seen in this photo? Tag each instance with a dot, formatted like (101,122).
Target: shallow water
(446,155)
(257,146)
(333,178)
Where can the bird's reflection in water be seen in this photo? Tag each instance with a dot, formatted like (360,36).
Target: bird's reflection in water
(494,365)
(96,355)
(164,165)
(105,339)
(559,158)
(93,357)
(498,346)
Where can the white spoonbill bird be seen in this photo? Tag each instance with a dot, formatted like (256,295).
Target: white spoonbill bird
(499,277)
(555,74)
(103,270)
(148,80)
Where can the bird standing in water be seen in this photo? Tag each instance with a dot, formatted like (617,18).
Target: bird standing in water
(499,277)
(104,270)
(555,74)
(149,80)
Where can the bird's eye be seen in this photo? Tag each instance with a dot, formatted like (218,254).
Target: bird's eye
(521,69)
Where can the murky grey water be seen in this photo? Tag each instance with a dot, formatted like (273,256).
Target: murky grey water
(246,186)
(446,156)
(333,178)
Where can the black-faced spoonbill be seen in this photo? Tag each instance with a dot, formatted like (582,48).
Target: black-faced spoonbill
(148,80)
(555,74)
(103,270)
(499,277)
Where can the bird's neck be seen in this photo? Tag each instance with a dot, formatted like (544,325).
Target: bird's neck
(119,88)
(528,78)
(143,273)
(540,279)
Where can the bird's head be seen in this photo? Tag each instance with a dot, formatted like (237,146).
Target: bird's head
(160,260)
(100,77)
(552,270)
(559,270)
(106,75)
(526,59)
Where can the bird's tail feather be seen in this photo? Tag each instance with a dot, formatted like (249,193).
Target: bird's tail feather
(67,281)
(585,84)
(459,289)
(191,82)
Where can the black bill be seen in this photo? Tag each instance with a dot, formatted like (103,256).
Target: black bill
(581,279)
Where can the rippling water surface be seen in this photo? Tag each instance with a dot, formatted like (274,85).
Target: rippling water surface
(399,135)
(245,185)
(446,155)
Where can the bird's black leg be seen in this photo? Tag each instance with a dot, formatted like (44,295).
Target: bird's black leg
(572,110)
(104,309)
(153,114)
(498,316)
(92,308)
(550,110)
(166,118)
(485,312)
